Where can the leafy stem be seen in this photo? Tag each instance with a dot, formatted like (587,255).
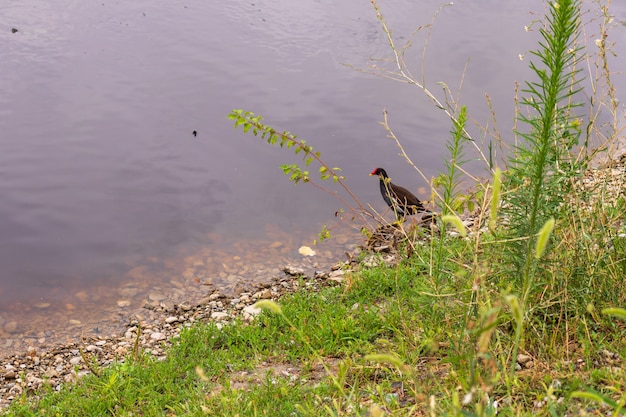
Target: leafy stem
(252,122)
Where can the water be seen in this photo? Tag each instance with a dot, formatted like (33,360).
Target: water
(99,170)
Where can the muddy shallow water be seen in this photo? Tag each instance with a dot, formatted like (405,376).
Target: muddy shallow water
(106,197)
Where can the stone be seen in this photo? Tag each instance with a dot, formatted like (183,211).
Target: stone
(157,336)
(41,305)
(252,311)
(51,373)
(82,296)
(155,296)
(337,275)
(522,358)
(123,303)
(128,292)
(219,315)
(263,295)
(171,319)
(75,322)
(76,360)
(10,327)
(293,271)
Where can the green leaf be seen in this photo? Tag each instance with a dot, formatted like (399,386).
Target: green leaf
(544,235)
(385,358)
(269,305)
(456,222)
(495,199)
(594,396)
(615,312)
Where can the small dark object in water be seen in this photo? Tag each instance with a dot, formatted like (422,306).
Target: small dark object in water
(194,133)
(13,30)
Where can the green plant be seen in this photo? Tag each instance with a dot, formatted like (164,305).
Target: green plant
(541,168)
(453,201)
(251,122)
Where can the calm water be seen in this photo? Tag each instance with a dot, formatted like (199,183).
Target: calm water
(98,167)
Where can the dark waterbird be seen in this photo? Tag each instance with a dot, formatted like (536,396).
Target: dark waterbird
(401,200)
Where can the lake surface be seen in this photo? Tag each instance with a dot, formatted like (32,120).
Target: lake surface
(99,171)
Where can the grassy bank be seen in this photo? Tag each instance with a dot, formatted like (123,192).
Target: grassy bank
(389,341)
(516,311)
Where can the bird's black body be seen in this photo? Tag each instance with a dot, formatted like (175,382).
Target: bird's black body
(401,200)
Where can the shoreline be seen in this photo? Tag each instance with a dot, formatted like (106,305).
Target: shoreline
(151,329)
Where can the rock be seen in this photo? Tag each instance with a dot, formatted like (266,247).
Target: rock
(76,360)
(51,373)
(75,322)
(337,275)
(157,336)
(219,315)
(10,327)
(123,303)
(522,358)
(293,271)
(251,311)
(263,295)
(171,319)
(128,292)
(41,305)
(155,296)
(82,296)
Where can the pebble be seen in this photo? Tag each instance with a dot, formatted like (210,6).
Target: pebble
(10,327)
(155,296)
(219,315)
(157,336)
(251,311)
(293,271)
(158,321)
(128,292)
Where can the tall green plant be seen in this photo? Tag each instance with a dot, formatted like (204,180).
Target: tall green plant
(541,168)
(450,180)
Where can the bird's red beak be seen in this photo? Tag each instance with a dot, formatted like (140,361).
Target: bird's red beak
(373,172)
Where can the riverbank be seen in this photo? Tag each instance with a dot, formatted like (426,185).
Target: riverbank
(425,331)
(151,330)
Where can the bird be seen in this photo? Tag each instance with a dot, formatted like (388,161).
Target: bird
(401,200)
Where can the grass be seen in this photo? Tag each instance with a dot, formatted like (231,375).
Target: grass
(391,341)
